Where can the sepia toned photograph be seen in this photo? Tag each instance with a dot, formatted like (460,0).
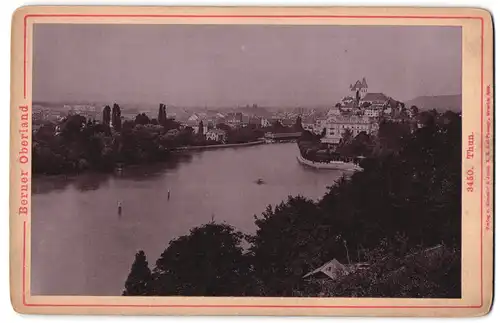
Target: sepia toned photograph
(212,160)
(260,163)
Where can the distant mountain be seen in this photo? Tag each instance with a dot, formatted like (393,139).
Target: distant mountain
(439,102)
(252,110)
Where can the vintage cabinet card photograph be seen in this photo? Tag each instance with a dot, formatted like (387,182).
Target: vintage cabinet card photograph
(327,161)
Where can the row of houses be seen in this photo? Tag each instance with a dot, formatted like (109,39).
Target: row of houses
(43,115)
(233,119)
(361,111)
(218,135)
(336,123)
(371,104)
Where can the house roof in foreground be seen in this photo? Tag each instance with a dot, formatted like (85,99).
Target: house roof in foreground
(330,268)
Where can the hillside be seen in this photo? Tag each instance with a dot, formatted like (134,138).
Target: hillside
(439,102)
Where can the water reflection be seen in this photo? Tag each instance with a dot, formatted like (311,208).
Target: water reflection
(45,184)
(90,181)
(76,225)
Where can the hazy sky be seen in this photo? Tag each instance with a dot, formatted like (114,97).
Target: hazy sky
(227,65)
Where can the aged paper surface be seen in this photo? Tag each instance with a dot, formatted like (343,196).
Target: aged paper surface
(55,232)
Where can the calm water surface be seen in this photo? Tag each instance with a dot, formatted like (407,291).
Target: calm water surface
(80,246)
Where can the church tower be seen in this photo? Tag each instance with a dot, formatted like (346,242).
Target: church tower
(359,88)
(364,87)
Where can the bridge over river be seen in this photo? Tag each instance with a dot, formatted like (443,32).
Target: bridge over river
(282,136)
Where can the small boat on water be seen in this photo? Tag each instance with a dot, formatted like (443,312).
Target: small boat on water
(260,181)
(334,164)
(119,169)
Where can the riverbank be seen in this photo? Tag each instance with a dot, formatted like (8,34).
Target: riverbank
(219,183)
(208,147)
(331,165)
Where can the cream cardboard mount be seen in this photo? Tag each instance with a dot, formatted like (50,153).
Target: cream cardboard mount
(144,139)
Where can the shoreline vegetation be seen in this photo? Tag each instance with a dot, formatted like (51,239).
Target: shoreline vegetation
(347,166)
(75,144)
(392,229)
(208,147)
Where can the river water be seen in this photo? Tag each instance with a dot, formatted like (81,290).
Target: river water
(81,246)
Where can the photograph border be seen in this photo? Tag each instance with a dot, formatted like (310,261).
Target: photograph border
(476,15)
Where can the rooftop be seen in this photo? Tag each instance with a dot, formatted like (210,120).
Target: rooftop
(359,85)
(375,97)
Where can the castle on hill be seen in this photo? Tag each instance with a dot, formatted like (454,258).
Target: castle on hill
(359,88)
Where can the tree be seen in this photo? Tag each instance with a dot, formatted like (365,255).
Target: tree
(170,124)
(200,128)
(185,136)
(106,115)
(361,145)
(404,201)
(223,126)
(347,136)
(45,133)
(416,205)
(142,119)
(162,114)
(207,262)
(427,118)
(414,110)
(308,139)
(391,135)
(278,127)
(139,280)
(116,117)
(366,104)
(72,126)
(298,124)
(281,260)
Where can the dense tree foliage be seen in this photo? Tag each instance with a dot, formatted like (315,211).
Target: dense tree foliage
(142,119)
(286,245)
(207,262)
(413,192)
(106,115)
(75,144)
(139,280)
(162,114)
(298,124)
(405,201)
(116,117)
(200,128)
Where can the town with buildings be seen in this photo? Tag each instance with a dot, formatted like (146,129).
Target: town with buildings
(358,111)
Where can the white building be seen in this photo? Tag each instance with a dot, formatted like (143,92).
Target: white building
(194,118)
(387,110)
(373,112)
(335,111)
(319,125)
(216,135)
(264,123)
(336,126)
